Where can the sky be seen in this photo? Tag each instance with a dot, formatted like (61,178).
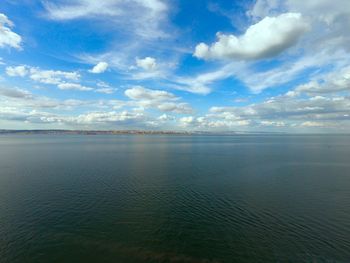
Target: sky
(200,65)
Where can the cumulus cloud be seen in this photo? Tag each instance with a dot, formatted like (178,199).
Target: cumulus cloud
(267,38)
(99,68)
(52,76)
(158,99)
(329,19)
(105,117)
(24,99)
(285,72)
(322,104)
(7,36)
(15,93)
(43,76)
(20,115)
(333,82)
(284,112)
(94,119)
(147,63)
(141,93)
(292,110)
(165,117)
(63,79)
(20,71)
(182,108)
(23,106)
(322,101)
(325,45)
(186,121)
(212,122)
(20,106)
(73,86)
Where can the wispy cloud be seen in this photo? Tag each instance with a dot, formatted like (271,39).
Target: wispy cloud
(141,17)
(8,38)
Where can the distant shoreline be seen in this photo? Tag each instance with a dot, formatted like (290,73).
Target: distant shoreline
(131,132)
(146,132)
(92,132)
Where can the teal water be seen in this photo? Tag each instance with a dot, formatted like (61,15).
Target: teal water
(271,198)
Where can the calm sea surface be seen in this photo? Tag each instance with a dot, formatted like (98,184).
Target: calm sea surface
(159,198)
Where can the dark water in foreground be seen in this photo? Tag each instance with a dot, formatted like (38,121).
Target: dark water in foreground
(174,198)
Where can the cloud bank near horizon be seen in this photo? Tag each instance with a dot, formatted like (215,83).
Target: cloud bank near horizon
(263,66)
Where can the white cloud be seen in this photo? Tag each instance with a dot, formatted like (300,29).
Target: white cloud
(105,117)
(7,36)
(165,117)
(52,76)
(105,90)
(23,99)
(325,10)
(138,27)
(140,17)
(102,84)
(290,110)
(182,108)
(99,68)
(20,71)
(15,93)
(158,99)
(273,123)
(264,8)
(89,119)
(267,38)
(288,71)
(200,84)
(147,63)
(258,81)
(312,124)
(73,86)
(293,110)
(325,45)
(329,19)
(19,106)
(186,121)
(141,93)
(196,89)
(336,81)
(63,79)
(213,122)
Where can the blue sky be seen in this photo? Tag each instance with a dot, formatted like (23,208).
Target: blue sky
(264,65)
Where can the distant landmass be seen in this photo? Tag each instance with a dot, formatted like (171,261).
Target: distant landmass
(135,132)
(89,132)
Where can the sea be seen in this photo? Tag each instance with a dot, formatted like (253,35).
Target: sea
(174,198)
